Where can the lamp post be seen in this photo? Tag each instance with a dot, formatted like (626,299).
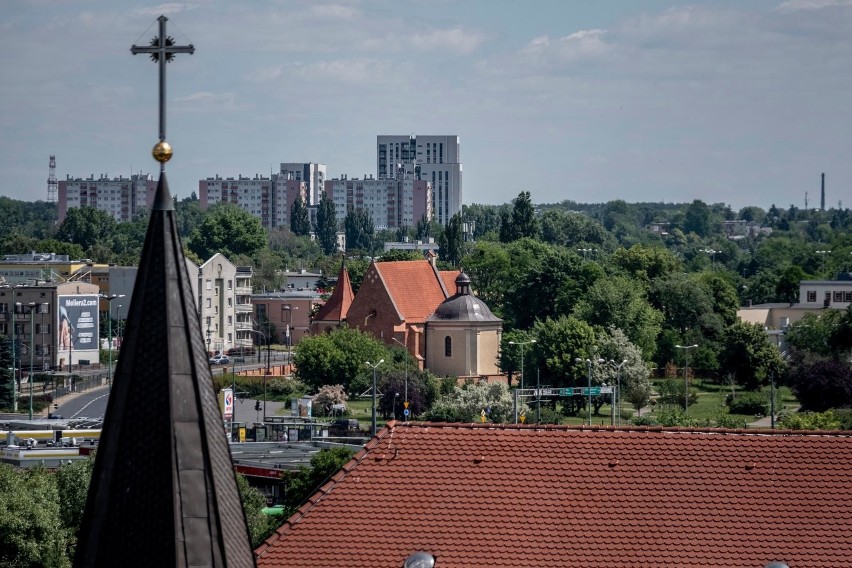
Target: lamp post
(586,250)
(617,391)
(374,392)
(686,349)
(31,312)
(109,300)
(118,322)
(405,416)
(41,334)
(711,252)
(288,321)
(522,343)
(14,359)
(589,378)
(822,253)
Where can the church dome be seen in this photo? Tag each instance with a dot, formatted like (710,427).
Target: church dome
(463,306)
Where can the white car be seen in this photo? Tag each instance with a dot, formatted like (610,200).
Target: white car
(220,360)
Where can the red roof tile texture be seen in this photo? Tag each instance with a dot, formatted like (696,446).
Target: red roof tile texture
(515,495)
(414,286)
(338,303)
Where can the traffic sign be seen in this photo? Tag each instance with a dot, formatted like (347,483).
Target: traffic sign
(405,404)
(406,412)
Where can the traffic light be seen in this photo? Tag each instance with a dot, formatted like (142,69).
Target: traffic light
(257,405)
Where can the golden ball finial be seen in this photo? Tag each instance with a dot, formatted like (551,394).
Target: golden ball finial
(162,151)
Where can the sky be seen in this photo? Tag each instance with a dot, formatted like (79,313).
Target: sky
(741,103)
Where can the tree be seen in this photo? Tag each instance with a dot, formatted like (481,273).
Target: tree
(646,262)
(451,241)
(559,342)
(620,302)
(326,224)
(820,384)
(87,227)
(468,402)
(337,358)
(329,396)
(749,356)
(300,223)
(359,230)
(698,219)
(229,230)
(260,525)
(635,383)
(72,481)
(33,534)
(307,481)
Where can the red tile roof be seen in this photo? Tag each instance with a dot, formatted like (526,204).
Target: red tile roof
(414,286)
(338,303)
(514,495)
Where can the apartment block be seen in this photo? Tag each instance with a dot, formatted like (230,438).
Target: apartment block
(391,203)
(270,199)
(314,176)
(121,197)
(435,159)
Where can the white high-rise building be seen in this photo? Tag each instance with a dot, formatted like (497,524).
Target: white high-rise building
(435,159)
(314,176)
(122,197)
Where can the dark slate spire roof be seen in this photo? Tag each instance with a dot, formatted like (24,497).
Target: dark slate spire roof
(463,306)
(163,490)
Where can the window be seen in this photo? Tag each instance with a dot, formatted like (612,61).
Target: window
(4,308)
(847,296)
(812,296)
(209,303)
(230,284)
(838,296)
(448,346)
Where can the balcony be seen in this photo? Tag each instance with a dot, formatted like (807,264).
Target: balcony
(244,308)
(243,291)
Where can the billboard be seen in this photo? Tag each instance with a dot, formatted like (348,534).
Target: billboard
(77,327)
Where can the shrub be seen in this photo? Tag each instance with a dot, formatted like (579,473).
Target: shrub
(748,403)
(643,421)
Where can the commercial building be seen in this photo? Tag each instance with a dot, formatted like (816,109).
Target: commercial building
(435,159)
(34,267)
(55,324)
(122,197)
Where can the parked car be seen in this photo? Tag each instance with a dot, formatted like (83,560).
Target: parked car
(220,360)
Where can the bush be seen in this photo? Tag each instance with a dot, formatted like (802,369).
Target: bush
(748,403)
(643,421)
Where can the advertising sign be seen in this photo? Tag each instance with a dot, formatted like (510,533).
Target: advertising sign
(78,322)
(228,410)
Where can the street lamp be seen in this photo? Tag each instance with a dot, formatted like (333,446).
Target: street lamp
(589,377)
(711,252)
(686,349)
(522,343)
(586,250)
(617,391)
(405,417)
(822,253)
(289,309)
(32,311)
(374,391)
(14,360)
(109,300)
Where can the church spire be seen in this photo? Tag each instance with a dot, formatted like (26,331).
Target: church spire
(163,490)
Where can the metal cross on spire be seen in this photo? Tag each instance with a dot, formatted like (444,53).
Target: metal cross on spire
(162,50)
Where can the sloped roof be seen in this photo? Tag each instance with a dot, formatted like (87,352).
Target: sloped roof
(337,306)
(163,490)
(515,495)
(415,287)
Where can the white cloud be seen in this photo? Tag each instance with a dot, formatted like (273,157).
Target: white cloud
(803,5)
(165,9)
(454,39)
(353,71)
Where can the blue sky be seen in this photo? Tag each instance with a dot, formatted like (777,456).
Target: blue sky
(743,103)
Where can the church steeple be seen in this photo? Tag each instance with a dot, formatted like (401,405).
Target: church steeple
(163,491)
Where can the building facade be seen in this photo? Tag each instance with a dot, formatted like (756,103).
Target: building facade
(122,197)
(435,159)
(314,176)
(287,314)
(53,325)
(391,203)
(835,294)
(268,199)
(224,303)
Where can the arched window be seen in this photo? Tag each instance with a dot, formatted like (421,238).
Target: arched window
(448,346)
